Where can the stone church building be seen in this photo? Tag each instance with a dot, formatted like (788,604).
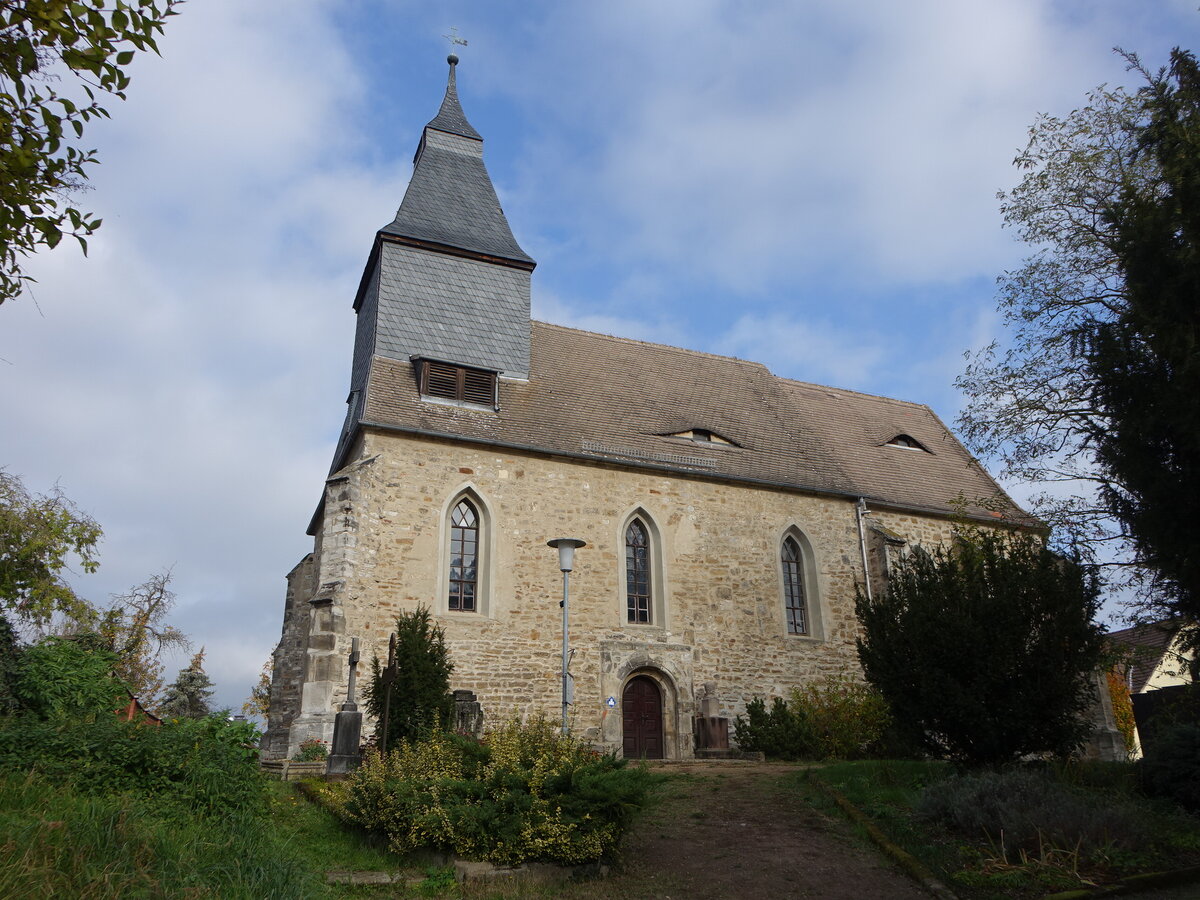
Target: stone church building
(728,513)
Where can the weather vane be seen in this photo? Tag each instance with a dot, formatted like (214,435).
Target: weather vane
(454,39)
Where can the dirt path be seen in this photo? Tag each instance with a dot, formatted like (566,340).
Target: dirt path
(723,830)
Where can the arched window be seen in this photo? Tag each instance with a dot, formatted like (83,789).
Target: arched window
(464,557)
(637,573)
(794,601)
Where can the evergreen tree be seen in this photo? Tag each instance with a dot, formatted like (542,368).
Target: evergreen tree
(188,697)
(985,651)
(421,700)
(1146,363)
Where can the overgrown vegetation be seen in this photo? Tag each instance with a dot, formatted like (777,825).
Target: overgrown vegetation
(526,792)
(835,718)
(1022,831)
(986,650)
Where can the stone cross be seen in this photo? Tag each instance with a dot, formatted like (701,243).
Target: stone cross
(387,678)
(354,657)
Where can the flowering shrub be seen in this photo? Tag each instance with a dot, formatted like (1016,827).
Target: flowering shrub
(524,793)
(847,719)
(311,750)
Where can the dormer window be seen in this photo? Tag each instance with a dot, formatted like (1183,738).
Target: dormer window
(906,442)
(462,384)
(704,436)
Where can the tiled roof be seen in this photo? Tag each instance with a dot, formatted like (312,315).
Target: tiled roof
(1147,644)
(606,398)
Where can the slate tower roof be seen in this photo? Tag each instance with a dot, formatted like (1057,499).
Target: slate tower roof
(446,279)
(450,201)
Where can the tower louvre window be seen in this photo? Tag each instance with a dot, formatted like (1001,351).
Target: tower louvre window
(461,383)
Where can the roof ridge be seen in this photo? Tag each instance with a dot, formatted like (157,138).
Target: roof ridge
(638,341)
(842,390)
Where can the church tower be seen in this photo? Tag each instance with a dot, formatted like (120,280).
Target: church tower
(446,286)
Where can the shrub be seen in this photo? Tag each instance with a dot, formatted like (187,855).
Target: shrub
(846,719)
(206,767)
(524,793)
(1172,769)
(68,677)
(781,732)
(1030,810)
(312,750)
(986,651)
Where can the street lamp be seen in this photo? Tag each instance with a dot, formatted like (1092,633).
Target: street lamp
(566,557)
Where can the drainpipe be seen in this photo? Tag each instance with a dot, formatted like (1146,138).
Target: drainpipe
(860,510)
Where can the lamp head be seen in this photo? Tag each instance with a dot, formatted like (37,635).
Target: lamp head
(566,551)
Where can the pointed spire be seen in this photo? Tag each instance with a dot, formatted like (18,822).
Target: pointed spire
(450,199)
(450,117)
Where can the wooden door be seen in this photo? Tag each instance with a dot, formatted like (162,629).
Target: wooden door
(641,719)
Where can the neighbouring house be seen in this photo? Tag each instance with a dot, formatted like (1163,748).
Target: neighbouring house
(728,513)
(1156,667)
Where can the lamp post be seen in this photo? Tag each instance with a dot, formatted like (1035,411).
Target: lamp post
(566,557)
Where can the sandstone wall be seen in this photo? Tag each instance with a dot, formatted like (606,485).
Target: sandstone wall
(383,549)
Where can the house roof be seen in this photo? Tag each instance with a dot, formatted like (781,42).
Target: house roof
(604,398)
(1147,644)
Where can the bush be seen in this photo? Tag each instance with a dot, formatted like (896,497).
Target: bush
(846,719)
(206,767)
(312,750)
(779,733)
(61,678)
(1172,770)
(986,651)
(1030,810)
(524,793)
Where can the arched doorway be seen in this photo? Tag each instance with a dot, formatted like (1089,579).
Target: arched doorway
(642,719)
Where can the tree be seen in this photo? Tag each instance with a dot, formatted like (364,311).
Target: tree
(188,697)
(987,650)
(44,43)
(1030,403)
(133,628)
(38,536)
(1145,361)
(259,703)
(421,698)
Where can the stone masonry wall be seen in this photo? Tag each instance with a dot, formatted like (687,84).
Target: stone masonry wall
(719,579)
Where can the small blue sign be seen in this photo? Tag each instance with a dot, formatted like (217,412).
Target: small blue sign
(611,702)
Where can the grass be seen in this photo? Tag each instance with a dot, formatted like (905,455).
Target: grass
(1068,827)
(58,843)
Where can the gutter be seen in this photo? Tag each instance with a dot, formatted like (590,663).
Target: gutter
(860,510)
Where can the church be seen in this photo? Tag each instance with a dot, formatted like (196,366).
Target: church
(728,514)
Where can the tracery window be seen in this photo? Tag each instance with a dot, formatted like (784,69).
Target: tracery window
(464,557)
(637,573)
(793,587)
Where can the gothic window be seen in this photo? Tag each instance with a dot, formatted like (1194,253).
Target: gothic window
(637,573)
(793,587)
(464,557)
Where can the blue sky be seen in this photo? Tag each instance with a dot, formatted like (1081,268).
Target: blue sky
(810,185)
